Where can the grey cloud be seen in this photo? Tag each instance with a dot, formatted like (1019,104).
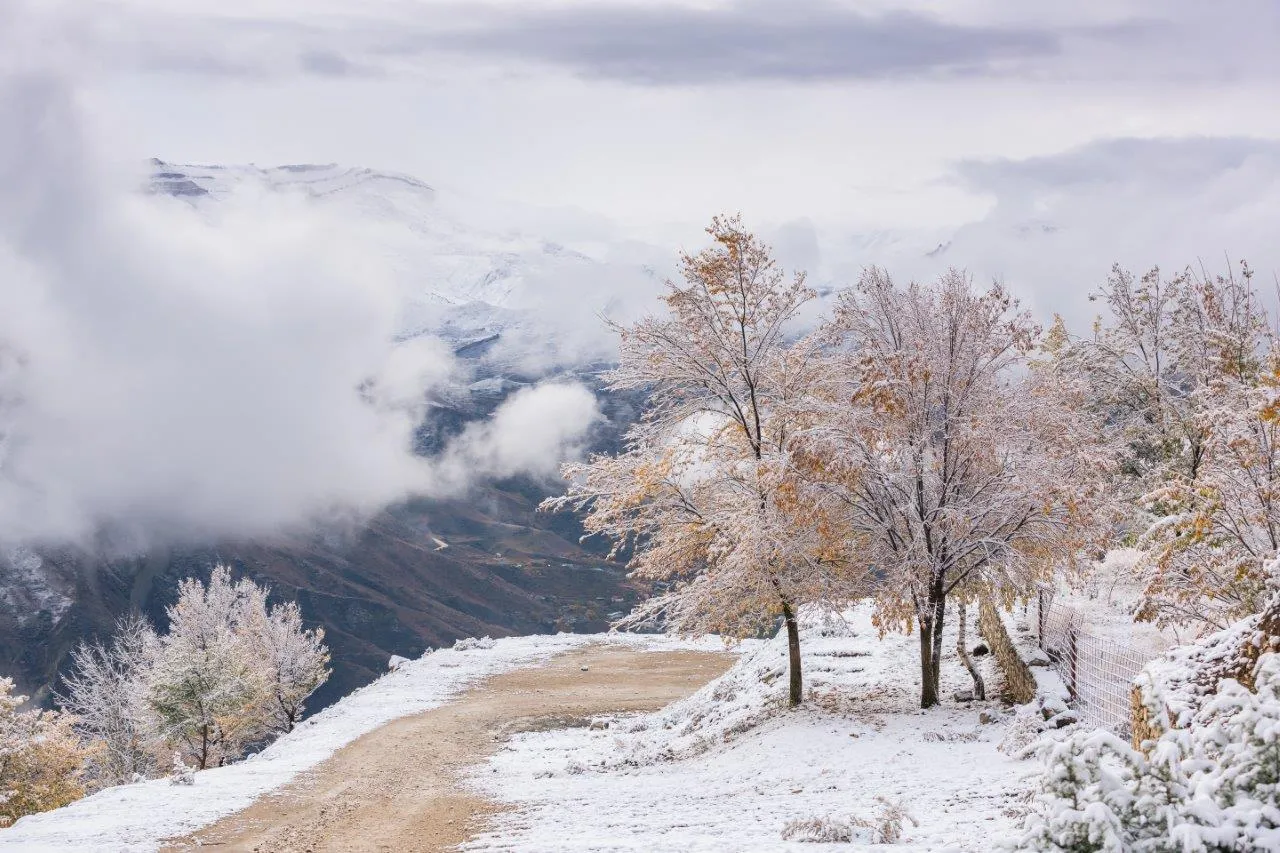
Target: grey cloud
(1060,221)
(803,41)
(326,63)
(1181,160)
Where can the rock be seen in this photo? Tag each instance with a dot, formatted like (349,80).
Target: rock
(396,662)
(988,717)
(1064,719)
(584,669)
(1038,658)
(980,650)
(963,696)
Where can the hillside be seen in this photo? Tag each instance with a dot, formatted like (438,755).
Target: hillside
(421,573)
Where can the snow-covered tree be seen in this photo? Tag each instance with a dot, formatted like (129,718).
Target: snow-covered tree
(206,685)
(107,692)
(704,497)
(229,673)
(42,760)
(293,659)
(1186,371)
(959,467)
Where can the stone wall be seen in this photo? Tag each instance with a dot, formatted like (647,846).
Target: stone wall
(1019,682)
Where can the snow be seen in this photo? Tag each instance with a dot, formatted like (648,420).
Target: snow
(138,817)
(730,767)
(463,275)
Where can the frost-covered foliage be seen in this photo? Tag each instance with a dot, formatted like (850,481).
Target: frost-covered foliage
(42,760)
(230,673)
(108,693)
(205,684)
(1187,372)
(468,643)
(965,466)
(1212,786)
(886,828)
(705,496)
(294,660)
(1173,688)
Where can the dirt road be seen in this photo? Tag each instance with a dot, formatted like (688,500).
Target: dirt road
(396,788)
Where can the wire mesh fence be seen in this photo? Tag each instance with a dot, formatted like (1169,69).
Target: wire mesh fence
(1097,670)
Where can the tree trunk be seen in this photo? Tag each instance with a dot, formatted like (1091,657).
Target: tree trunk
(928,690)
(979,687)
(203,758)
(931,621)
(793,650)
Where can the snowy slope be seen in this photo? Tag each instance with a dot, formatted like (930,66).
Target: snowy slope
(728,768)
(138,817)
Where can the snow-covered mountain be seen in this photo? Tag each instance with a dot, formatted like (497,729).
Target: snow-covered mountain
(466,273)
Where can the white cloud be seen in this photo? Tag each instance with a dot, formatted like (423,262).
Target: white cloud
(168,372)
(529,433)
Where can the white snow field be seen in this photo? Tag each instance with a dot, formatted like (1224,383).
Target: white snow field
(729,767)
(138,817)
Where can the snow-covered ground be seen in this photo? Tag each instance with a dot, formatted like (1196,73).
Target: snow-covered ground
(138,817)
(728,768)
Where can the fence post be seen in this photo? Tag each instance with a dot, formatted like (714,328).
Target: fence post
(1071,650)
(1040,618)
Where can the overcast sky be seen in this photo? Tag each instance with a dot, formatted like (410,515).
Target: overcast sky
(837,115)
(843,110)
(150,354)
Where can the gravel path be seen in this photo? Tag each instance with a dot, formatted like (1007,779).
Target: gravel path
(397,788)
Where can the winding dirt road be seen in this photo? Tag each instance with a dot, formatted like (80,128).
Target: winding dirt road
(397,788)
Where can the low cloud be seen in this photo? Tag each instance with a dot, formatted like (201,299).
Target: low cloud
(1057,223)
(168,372)
(530,433)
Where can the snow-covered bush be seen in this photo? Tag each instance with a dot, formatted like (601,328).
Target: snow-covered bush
(42,760)
(468,643)
(829,830)
(885,829)
(1213,786)
(182,772)
(1172,689)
